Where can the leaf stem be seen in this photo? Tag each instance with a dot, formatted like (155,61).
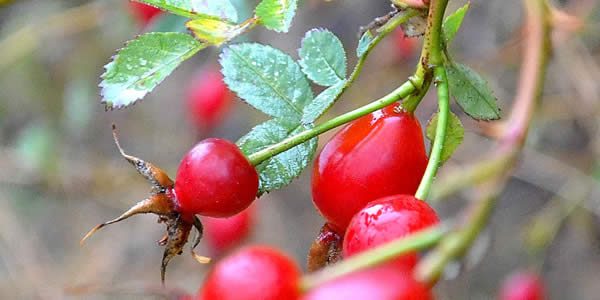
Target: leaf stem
(417,241)
(435,158)
(401,92)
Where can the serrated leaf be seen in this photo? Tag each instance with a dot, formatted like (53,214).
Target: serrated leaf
(281,169)
(322,102)
(268,79)
(142,64)
(364,43)
(222,9)
(454,134)
(276,14)
(215,31)
(322,57)
(452,23)
(472,93)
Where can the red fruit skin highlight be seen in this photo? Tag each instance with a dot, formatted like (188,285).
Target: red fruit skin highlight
(387,219)
(252,273)
(215,179)
(378,155)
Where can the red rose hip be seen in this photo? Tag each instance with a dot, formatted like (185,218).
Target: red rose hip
(215,179)
(144,13)
(385,220)
(381,283)
(208,99)
(252,273)
(222,234)
(378,155)
(522,285)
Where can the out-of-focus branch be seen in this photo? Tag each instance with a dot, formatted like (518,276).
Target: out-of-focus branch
(511,138)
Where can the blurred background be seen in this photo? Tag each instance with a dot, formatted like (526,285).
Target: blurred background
(61,174)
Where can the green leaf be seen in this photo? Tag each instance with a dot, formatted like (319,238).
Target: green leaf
(215,31)
(452,23)
(322,102)
(168,23)
(266,78)
(222,9)
(281,169)
(144,62)
(322,57)
(276,14)
(472,93)
(454,134)
(364,43)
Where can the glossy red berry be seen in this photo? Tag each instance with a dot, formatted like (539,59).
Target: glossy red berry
(215,179)
(208,99)
(252,273)
(381,283)
(387,219)
(522,285)
(143,13)
(222,234)
(378,155)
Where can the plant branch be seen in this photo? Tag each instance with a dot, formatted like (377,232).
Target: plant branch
(531,82)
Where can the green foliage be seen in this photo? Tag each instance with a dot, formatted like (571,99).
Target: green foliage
(322,102)
(280,170)
(222,9)
(364,44)
(276,14)
(215,31)
(322,57)
(452,23)
(144,62)
(168,23)
(268,79)
(472,92)
(454,134)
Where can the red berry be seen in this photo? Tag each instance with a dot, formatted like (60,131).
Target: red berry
(522,285)
(405,46)
(381,283)
(378,155)
(208,99)
(252,273)
(385,220)
(143,12)
(215,179)
(224,233)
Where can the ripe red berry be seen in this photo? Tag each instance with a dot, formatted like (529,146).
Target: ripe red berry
(215,179)
(208,99)
(387,219)
(381,283)
(404,46)
(143,13)
(222,234)
(522,285)
(252,273)
(378,155)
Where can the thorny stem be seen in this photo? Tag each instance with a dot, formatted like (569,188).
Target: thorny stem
(535,59)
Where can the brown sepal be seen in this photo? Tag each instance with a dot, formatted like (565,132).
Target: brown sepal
(325,250)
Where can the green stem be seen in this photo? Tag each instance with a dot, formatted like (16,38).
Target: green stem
(435,158)
(417,241)
(401,92)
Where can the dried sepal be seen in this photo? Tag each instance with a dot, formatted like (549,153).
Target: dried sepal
(200,232)
(325,250)
(157,177)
